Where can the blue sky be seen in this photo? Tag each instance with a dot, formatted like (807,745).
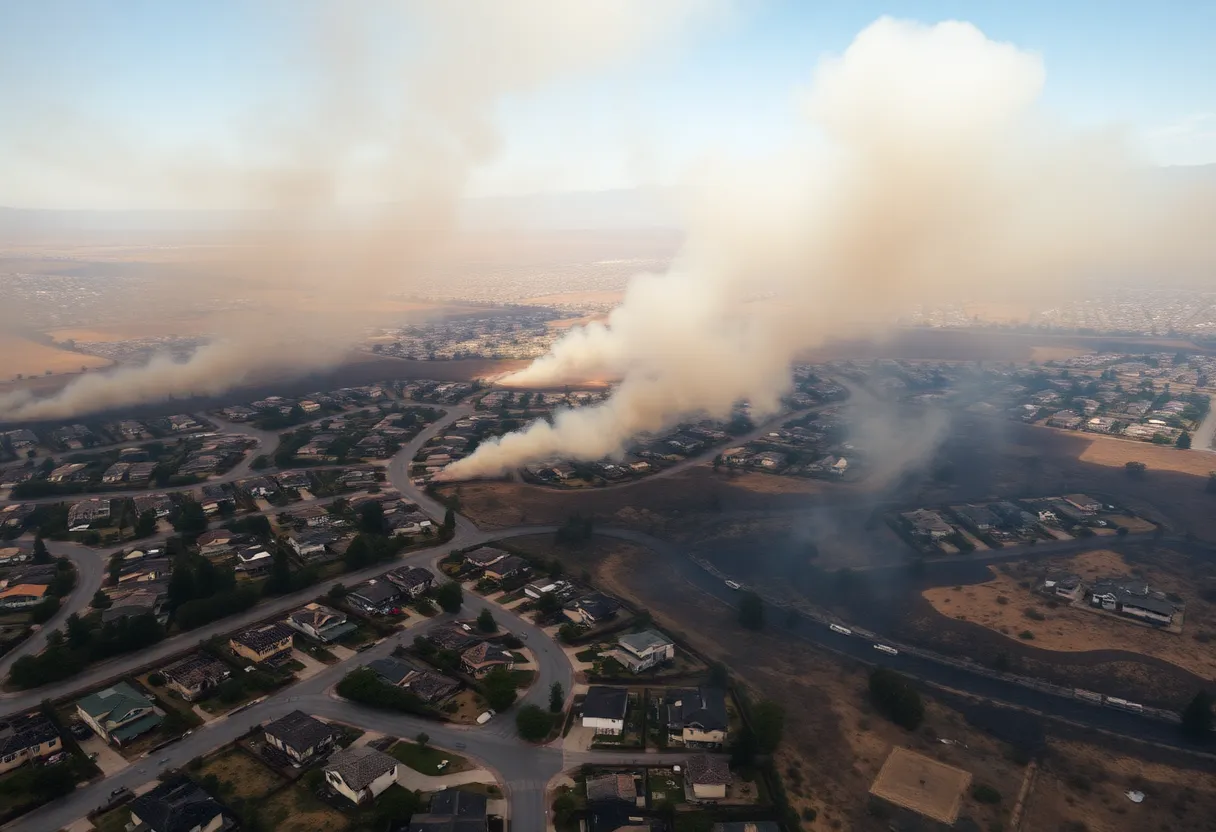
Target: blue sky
(115,83)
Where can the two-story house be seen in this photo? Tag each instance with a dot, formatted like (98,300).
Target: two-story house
(119,713)
(697,717)
(300,736)
(361,774)
(320,622)
(644,650)
(25,737)
(268,643)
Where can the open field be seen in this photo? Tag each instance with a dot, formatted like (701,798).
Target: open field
(1067,629)
(21,356)
(835,743)
(922,784)
(295,810)
(1083,787)
(240,775)
(1116,453)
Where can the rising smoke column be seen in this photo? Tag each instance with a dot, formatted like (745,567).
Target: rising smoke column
(928,173)
(461,59)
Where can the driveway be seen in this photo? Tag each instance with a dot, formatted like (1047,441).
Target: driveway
(108,760)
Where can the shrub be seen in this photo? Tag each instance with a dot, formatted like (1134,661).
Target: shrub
(533,723)
(156,680)
(1033,614)
(1026,635)
(983,793)
(1002,600)
(895,697)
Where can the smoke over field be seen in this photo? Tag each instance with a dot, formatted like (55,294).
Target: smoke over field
(453,64)
(928,172)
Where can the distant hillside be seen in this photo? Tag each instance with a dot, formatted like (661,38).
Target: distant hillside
(586,210)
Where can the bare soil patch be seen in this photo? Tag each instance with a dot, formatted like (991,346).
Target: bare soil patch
(245,776)
(1116,453)
(1065,628)
(922,784)
(21,356)
(295,810)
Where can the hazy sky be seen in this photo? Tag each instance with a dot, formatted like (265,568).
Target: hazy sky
(226,80)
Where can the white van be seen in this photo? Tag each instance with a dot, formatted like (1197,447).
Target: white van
(484,718)
(733,585)
(844,631)
(886,649)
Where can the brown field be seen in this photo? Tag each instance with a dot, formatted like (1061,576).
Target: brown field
(1068,629)
(576,298)
(835,743)
(922,784)
(570,323)
(241,774)
(1116,453)
(295,810)
(19,355)
(1083,787)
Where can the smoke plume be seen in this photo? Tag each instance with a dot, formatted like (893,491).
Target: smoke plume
(310,272)
(927,172)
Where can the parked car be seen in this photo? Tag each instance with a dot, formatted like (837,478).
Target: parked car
(484,718)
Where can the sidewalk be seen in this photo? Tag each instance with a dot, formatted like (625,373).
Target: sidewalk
(417,781)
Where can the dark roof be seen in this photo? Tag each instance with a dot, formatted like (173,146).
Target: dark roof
(485,652)
(260,638)
(610,817)
(485,555)
(704,707)
(605,703)
(176,806)
(376,592)
(358,767)
(195,669)
(25,730)
(411,577)
(612,787)
(457,803)
(431,686)
(450,636)
(597,605)
(707,770)
(446,823)
(390,670)
(511,563)
(300,731)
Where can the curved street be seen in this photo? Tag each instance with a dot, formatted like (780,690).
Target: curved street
(524,770)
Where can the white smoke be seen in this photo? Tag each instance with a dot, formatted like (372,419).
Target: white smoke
(927,173)
(463,58)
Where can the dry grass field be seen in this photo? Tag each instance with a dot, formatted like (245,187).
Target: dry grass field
(1116,453)
(295,810)
(21,356)
(922,784)
(1067,629)
(245,776)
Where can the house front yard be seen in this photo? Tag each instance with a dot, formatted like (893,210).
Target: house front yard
(241,775)
(297,810)
(425,759)
(664,785)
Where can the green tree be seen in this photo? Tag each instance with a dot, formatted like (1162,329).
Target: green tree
(145,524)
(278,582)
(100,601)
(768,725)
(894,696)
(1135,469)
(337,592)
(358,554)
(191,520)
(41,555)
(533,723)
(260,462)
(450,596)
(1183,442)
(371,518)
(486,622)
(498,687)
(449,520)
(1197,718)
(751,611)
(557,697)
(423,738)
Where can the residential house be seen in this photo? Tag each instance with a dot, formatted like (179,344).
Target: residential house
(978,517)
(615,816)
(300,736)
(406,524)
(194,675)
(144,570)
(604,710)
(1132,598)
(1067,419)
(158,504)
(642,651)
(593,609)
(311,516)
(928,524)
(621,788)
(71,472)
(254,559)
(769,460)
(508,567)
(216,498)
(216,543)
(312,543)
(706,777)
(25,737)
(483,657)
(140,473)
(179,805)
(268,643)
(319,622)
(260,487)
(453,810)
(1067,586)
(484,556)
(375,597)
(451,636)
(698,718)
(294,480)
(1083,503)
(426,684)
(360,773)
(413,581)
(544,587)
(116,473)
(83,514)
(21,596)
(119,713)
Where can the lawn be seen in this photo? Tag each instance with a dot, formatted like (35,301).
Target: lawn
(115,820)
(588,655)
(665,784)
(240,775)
(295,810)
(426,759)
(523,678)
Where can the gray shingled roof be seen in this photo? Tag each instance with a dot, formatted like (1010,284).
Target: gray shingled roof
(358,767)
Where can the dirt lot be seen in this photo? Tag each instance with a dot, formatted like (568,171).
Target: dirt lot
(295,810)
(240,775)
(835,742)
(1116,453)
(1082,787)
(1066,628)
(922,784)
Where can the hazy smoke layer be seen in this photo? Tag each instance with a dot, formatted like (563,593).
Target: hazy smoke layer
(927,174)
(309,270)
